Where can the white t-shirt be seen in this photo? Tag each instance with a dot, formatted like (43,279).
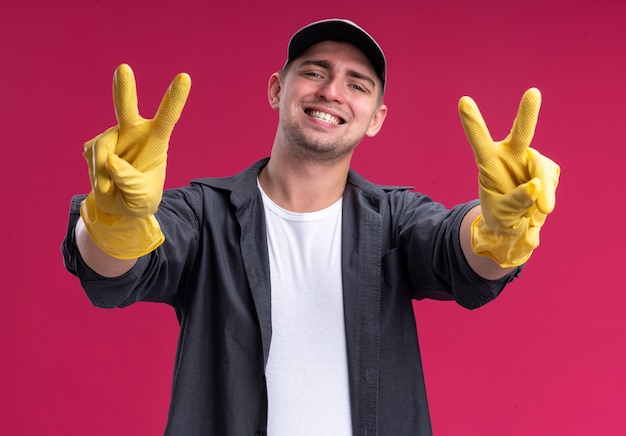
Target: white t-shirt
(307,369)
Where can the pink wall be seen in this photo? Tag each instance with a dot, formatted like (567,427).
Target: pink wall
(547,358)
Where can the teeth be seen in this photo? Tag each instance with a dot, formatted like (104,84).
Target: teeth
(324,117)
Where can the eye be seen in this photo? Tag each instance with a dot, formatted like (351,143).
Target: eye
(312,74)
(360,88)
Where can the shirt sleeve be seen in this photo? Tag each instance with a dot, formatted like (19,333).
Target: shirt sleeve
(157,276)
(436,265)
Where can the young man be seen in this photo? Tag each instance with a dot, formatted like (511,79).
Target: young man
(293,280)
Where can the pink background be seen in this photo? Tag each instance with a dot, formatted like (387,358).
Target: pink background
(546,358)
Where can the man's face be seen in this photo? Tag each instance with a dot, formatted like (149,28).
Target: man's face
(329,99)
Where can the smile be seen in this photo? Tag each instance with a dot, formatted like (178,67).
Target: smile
(331,119)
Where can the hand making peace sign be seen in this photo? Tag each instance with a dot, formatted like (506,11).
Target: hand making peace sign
(127,169)
(517,184)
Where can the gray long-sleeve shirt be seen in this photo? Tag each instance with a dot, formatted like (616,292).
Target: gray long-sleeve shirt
(213,269)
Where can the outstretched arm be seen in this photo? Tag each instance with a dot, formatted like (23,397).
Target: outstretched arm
(127,173)
(517,188)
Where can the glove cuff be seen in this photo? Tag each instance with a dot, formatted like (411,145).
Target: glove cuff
(506,249)
(120,236)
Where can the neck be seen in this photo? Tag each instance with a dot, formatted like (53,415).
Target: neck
(301,186)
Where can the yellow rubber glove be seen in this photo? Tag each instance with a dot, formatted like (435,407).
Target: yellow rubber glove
(127,170)
(517,184)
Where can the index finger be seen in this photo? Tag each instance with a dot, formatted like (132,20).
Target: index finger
(475,127)
(172,105)
(125,95)
(526,120)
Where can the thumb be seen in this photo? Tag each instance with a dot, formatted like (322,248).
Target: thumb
(123,174)
(510,207)
(526,194)
(140,192)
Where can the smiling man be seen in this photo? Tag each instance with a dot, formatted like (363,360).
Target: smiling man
(293,281)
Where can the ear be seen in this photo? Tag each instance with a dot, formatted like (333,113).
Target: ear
(273,90)
(377,121)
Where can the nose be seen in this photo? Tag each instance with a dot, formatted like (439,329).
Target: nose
(330,90)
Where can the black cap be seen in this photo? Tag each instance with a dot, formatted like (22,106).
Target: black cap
(342,31)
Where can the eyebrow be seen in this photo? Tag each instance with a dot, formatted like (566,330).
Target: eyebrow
(327,65)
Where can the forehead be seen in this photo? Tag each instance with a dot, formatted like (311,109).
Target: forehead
(337,54)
